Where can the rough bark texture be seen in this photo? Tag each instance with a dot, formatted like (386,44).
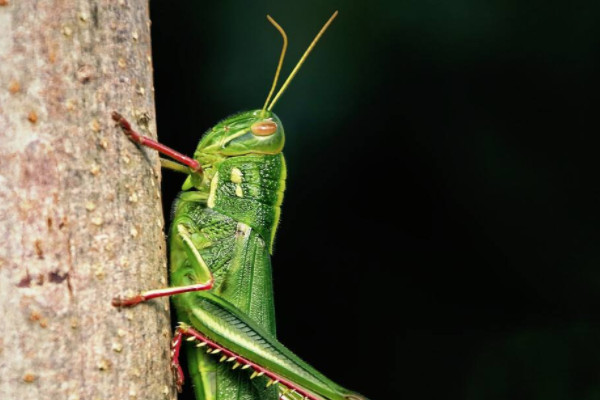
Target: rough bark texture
(80,219)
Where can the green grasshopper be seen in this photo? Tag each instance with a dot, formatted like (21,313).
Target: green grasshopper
(221,239)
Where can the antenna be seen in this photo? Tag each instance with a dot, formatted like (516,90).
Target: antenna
(302,59)
(283,49)
(281,57)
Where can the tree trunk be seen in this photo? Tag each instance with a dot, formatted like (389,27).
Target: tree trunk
(80,215)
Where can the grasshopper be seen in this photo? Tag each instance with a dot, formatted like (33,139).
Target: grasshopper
(221,239)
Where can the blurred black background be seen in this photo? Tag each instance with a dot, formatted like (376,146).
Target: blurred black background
(439,235)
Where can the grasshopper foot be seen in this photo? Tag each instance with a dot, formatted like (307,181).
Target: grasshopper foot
(177,376)
(127,301)
(175,349)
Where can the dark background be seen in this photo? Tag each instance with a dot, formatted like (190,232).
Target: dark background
(439,235)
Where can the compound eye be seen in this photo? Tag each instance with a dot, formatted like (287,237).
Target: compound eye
(264,128)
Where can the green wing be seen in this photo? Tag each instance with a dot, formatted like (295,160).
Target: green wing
(247,286)
(241,265)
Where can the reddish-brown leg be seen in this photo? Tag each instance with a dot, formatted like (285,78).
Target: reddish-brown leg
(229,356)
(175,349)
(152,294)
(146,141)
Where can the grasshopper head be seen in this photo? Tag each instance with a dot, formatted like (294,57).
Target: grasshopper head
(250,132)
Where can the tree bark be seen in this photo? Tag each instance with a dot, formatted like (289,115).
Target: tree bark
(80,214)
